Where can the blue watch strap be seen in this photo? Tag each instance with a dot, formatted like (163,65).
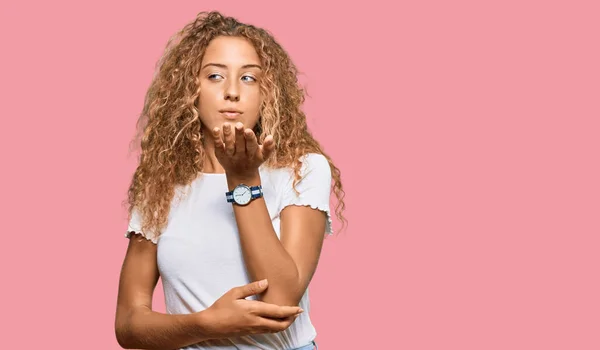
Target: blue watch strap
(256,191)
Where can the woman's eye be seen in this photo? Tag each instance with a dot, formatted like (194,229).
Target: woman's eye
(247,76)
(214,76)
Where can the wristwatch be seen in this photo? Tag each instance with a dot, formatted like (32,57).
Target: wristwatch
(243,194)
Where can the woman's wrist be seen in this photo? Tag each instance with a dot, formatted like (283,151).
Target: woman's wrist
(205,325)
(250,179)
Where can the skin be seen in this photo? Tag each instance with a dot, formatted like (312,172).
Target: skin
(285,266)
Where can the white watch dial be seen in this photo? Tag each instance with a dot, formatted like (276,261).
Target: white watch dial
(242,195)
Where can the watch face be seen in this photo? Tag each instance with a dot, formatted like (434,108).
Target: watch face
(242,194)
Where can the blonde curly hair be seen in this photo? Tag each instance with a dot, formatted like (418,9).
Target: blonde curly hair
(169,128)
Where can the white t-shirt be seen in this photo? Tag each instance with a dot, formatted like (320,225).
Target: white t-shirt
(199,254)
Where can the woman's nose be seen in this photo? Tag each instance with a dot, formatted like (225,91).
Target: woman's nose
(232,92)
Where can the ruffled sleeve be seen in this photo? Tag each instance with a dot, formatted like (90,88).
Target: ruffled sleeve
(314,187)
(135,227)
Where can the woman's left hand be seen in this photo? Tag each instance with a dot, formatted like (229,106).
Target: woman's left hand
(238,151)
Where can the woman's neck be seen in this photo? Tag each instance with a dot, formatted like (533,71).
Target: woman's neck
(211,163)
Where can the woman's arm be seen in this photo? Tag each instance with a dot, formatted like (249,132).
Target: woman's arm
(138,327)
(289,263)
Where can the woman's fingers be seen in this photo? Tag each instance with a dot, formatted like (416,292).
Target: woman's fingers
(229,134)
(251,143)
(267,147)
(217,136)
(274,326)
(239,149)
(272,318)
(274,311)
(240,142)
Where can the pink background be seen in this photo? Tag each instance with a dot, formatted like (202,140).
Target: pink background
(467,133)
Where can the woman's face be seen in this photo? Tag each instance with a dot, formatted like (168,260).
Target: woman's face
(229,83)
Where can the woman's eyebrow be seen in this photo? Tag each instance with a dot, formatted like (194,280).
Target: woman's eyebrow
(220,65)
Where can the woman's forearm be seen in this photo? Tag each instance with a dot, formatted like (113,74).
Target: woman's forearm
(264,255)
(147,329)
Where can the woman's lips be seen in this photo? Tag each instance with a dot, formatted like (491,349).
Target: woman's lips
(231,115)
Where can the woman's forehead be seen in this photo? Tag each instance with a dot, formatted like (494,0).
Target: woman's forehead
(230,51)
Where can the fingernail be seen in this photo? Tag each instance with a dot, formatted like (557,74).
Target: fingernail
(300,311)
(262,283)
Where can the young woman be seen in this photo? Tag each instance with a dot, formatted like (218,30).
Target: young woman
(231,200)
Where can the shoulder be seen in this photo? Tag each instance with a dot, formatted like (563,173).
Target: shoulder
(315,169)
(309,162)
(313,188)
(135,226)
(315,161)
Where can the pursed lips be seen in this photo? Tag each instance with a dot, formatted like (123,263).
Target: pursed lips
(230,114)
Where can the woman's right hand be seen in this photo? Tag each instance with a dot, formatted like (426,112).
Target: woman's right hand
(232,315)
